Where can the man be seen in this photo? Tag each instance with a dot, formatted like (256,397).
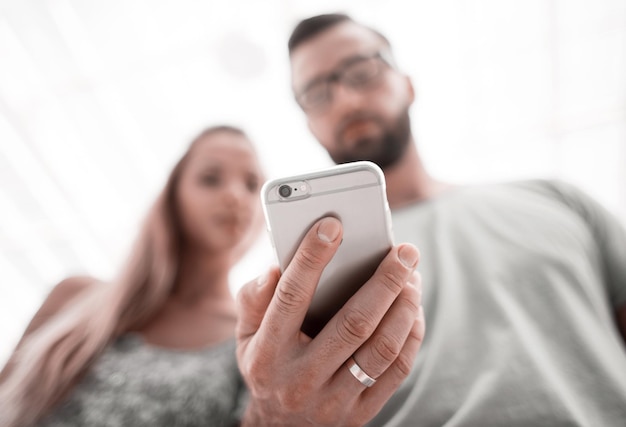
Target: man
(524,283)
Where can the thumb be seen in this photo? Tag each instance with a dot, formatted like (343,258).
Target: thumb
(252,302)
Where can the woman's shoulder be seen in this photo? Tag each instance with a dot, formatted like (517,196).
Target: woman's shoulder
(68,288)
(58,298)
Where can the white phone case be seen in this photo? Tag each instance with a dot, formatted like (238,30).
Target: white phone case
(355,194)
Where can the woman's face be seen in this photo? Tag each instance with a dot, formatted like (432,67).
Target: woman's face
(218,192)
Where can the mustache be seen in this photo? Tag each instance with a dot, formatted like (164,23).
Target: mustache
(353,117)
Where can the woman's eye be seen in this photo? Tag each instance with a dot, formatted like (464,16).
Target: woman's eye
(253,185)
(211,180)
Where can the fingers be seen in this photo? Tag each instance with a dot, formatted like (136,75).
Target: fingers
(298,283)
(252,302)
(355,323)
(366,402)
(392,378)
(385,345)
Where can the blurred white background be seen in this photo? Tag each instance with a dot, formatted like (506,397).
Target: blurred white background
(99,98)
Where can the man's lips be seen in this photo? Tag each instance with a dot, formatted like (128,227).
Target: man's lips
(355,129)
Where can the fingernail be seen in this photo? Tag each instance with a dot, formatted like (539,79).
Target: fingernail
(413,279)
(408,255)
(260,281)
(329,229)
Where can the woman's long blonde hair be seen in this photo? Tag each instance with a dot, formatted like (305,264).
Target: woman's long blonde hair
(50,360)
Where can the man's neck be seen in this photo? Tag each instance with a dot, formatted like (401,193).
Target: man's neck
(408,182)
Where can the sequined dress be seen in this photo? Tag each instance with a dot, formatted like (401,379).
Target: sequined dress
(137,384)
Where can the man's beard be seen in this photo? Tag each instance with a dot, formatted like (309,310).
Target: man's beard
(385,151)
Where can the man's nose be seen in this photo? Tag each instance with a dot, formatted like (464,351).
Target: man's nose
(343,97)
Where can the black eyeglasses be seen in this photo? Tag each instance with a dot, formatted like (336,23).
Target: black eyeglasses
(358,73)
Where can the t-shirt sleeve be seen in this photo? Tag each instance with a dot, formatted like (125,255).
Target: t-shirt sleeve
(609,235)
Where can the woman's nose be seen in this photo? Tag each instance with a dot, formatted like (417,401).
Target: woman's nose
(235,193)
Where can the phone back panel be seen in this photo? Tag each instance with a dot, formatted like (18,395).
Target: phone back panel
(355,194)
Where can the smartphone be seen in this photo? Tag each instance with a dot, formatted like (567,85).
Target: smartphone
(355,194)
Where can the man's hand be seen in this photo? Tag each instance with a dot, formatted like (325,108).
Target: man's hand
(299,381)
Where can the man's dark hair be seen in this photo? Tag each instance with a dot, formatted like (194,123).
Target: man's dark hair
(310,27)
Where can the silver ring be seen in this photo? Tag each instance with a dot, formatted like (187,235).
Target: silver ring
(360,374)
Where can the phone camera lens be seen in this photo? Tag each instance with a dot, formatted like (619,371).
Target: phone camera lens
(284,190)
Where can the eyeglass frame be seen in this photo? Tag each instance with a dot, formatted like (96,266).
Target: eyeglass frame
(336,76)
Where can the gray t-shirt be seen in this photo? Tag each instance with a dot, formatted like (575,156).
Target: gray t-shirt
(137,384)
(520,286)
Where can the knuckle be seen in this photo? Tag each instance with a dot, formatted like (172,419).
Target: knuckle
(290,297)
(386,349)
(244,297)
(295,395)
(417,334)
(411,298)
(248,303)
(255,373)
(392,281)
(290,399)
(404,365)
(309,258)
(355,326)
(404,362)
(326,409)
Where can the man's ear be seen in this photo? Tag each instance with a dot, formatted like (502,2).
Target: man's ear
(311,128)
(308,125)
(410,89)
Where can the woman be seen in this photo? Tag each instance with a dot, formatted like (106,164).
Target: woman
(154,347)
